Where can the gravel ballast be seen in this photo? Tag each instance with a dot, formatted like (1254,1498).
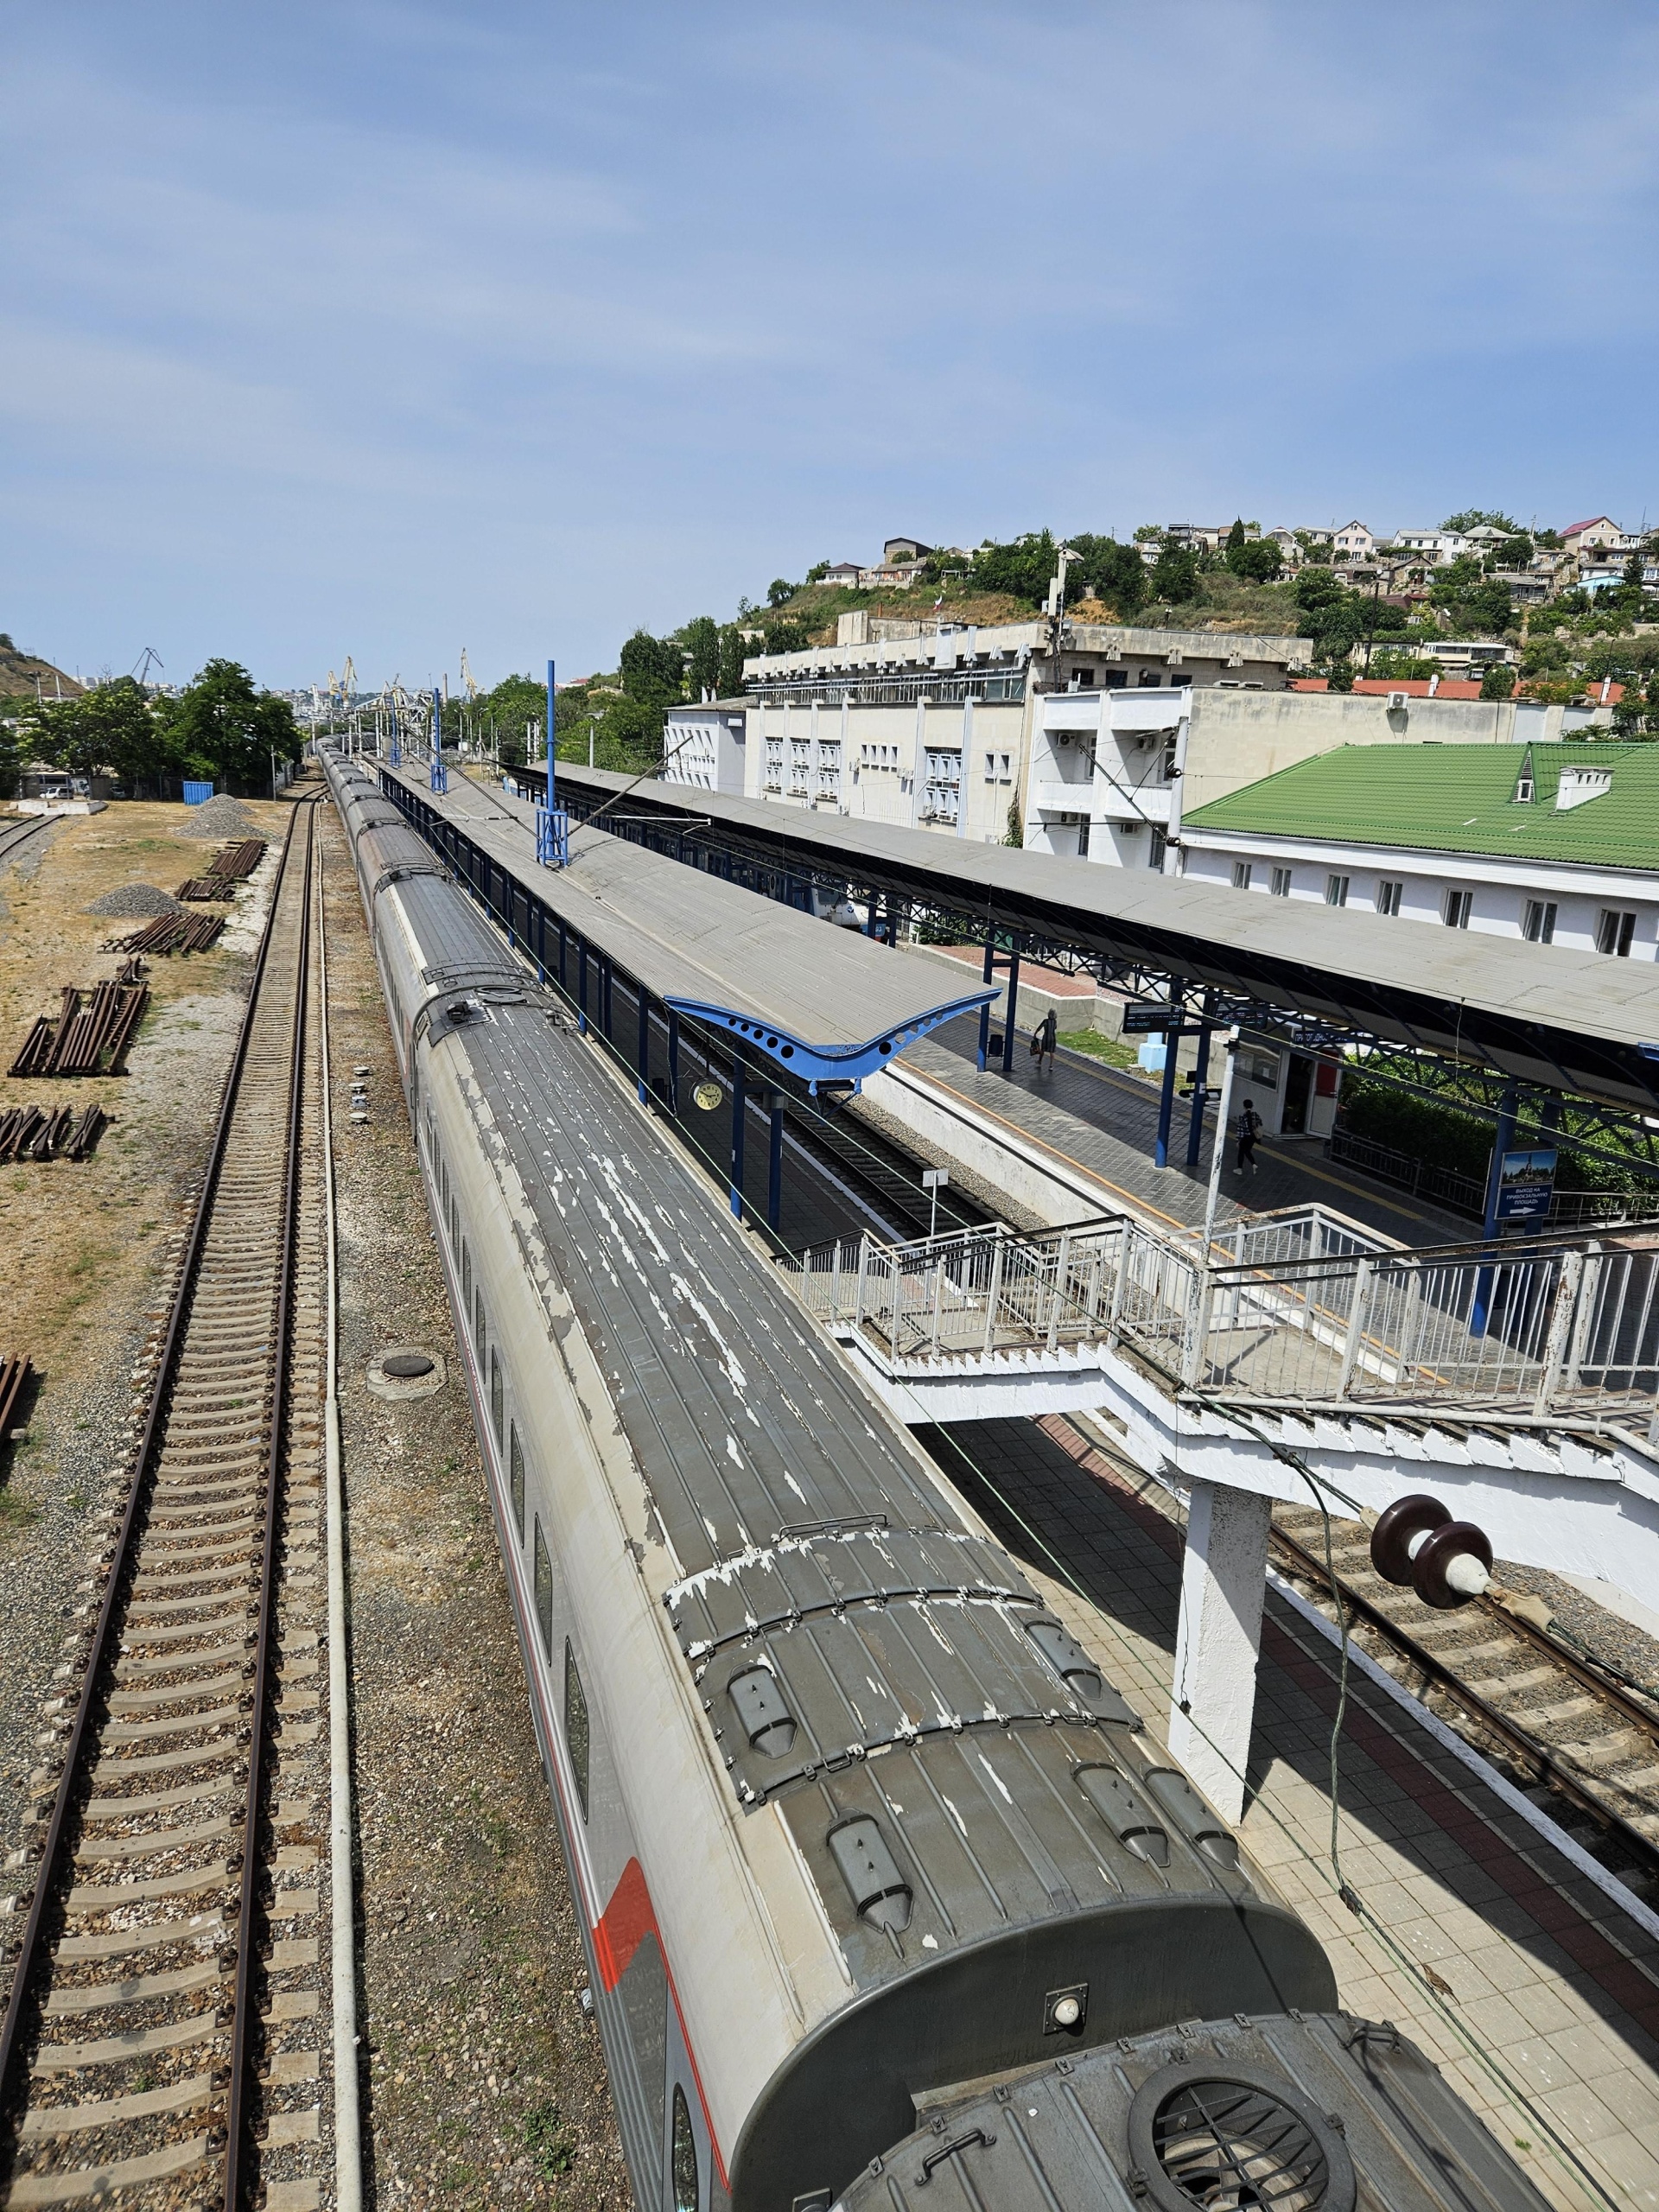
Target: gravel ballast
(218,817)
(138,900)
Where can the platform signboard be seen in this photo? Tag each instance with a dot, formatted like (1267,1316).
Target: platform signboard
(1140,1021)
(1526,1185)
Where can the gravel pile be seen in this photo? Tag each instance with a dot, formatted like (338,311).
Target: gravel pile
(218,817)
(139,901)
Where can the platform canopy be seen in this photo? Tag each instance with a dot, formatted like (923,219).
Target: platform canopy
(1576,1022)
(828,1005)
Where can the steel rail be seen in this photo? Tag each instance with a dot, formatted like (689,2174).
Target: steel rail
(1518,1741)
(252,1865)
(50,1867)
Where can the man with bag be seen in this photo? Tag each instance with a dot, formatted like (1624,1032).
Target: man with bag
(1249,1127)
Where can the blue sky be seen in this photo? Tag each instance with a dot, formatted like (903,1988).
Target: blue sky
(391,328)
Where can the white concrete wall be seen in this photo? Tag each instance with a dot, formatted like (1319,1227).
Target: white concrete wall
(1501,886)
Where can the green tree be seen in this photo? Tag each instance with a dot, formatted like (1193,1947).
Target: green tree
(1235,544)
(513,716)
(779,593)
(220,726)
(1259,562)
(787,638)
(729,682)
(1469,519)
(1024,568)
(653,671)
(817,572)
(111,729)
(700,638)
(1175,574)
(1107,570)
(1498,681)
(12,756)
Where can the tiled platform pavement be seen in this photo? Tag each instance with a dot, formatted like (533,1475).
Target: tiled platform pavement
(1478,1935)
(1106,1121)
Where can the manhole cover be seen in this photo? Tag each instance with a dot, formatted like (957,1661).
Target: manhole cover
(406,1365)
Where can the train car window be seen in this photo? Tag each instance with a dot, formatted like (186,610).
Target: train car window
(575,1725)
(479,1331)
(684,2160)
(498,1398)
(543,1591)
(443,1174)
(466,1276)
(515,1480)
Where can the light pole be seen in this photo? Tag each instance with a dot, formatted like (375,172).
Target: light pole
(1223,1105)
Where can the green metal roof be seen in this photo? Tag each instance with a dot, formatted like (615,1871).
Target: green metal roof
(1457,799)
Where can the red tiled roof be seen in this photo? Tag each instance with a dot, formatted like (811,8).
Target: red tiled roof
(1589,523)
(1378,686)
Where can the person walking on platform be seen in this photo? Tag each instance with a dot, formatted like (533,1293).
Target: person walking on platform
(1249,1127)
(1043,1039)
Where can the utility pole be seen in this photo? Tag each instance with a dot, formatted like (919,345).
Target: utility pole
(1224,1109)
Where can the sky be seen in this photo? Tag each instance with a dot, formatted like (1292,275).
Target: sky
(389,330)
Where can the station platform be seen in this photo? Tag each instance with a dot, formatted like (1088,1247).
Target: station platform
(1104,1121)
(1536,1995)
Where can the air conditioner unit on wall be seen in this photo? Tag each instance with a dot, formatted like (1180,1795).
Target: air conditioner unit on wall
(1398,701)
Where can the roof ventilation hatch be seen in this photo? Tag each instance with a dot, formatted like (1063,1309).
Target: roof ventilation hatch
(1126,1813)
(1066,1657)
(1192,1817)
(880,1892)
(767,1721)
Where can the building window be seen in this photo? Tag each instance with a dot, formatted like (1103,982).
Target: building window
(1160,847)
(515,1480)
(1538,924)
(1389,895)
(1455,911)
(1614,930)
(575,1725)
(543,1567)
(1241,876)
(1280,887)
(1336,890)
(687,2197)
(1149,678)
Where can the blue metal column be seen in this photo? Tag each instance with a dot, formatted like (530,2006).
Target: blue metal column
(1503,1137)
(1167,1096)
(551,735)
(673,1059)
(775,1166)
(985,1011)
(642,1009)
(739,1114)
(1012,1023)
(1195,1127)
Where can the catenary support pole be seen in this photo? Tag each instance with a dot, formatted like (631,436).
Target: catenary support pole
(1010,1027)
(1219,1639)
(1200,1074)
(1166,1095)
(988,974)
(673,1060)
(552,741)
(1217,1158)
(1502,1138)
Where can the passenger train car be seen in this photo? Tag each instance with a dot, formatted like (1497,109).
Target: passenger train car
(885,1893)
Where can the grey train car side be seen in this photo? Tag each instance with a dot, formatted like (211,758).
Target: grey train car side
(881,1885)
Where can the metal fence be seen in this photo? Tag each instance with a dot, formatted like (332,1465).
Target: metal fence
(1558,1330)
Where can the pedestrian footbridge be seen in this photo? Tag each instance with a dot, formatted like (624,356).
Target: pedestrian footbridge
(1301,1357)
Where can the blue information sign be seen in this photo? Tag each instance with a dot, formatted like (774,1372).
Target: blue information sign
(1526,1185)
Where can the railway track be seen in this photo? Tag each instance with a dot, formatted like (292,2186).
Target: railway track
(15,835)
(161,2034)
(1582,1744)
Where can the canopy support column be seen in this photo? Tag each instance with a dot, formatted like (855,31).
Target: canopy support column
(1224,1582)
